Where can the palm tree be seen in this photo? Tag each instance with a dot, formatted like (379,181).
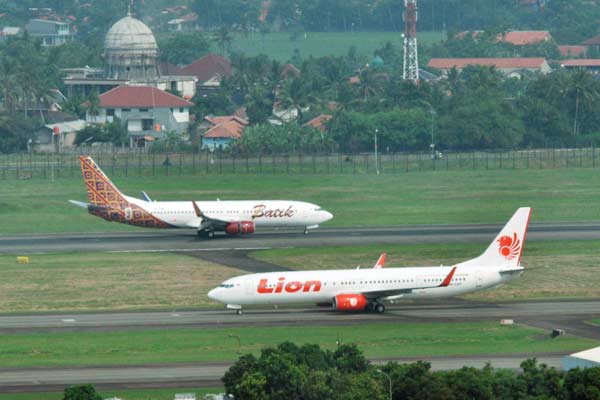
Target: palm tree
(295,95)
(224,39)
(584,90)
(92,106)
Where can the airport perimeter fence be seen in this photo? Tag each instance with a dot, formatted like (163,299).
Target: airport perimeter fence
(65,165)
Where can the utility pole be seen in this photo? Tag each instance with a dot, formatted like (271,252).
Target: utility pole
(376,155)
(410,69)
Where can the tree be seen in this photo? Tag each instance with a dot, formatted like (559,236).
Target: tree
(184,48)
(82,392)
(223,38)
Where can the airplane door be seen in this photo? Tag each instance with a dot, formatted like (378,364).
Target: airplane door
(249,284)
(478,279)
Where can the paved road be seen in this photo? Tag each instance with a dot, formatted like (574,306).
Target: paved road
(565,312)
(206,374)
(182,241)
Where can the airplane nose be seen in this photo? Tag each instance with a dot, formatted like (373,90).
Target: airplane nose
(213,295)
(327,216)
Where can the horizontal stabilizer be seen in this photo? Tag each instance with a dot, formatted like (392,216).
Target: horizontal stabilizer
(79,203)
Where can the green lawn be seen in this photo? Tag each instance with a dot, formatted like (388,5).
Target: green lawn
(280,46)
(38,206)
(565,270)
(125,394)
(595,322)
(107,281)
(196,345)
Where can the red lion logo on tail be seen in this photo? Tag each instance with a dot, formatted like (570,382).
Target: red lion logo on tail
(509,247)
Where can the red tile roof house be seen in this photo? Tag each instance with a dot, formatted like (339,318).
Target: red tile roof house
(516,38)
(524,38)
(222,131)
(145,110)
(573,51)
(209,70)
(591,65)
(319,122)
(511,67)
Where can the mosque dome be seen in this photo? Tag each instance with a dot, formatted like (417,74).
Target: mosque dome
(130,51)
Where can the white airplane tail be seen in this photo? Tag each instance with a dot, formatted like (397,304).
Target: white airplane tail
(506,249)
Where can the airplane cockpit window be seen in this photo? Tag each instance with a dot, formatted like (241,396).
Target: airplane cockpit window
(226,285)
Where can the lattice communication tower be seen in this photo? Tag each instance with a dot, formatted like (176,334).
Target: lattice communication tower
(411,59)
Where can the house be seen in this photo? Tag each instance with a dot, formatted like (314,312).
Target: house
(185,23)
(591,65)
(146,111)
(516,38)
(511,67)
(319,122)
(51,33)
(573,51)
(593,43)
(289,71)
(53,137)
(8,31)
(524,38)
(209,70)
(221,132)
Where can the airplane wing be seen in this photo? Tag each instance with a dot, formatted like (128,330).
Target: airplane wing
(206,222)
(384,295)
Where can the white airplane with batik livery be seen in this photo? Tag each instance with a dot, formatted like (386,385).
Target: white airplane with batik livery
(369,289)
(207,217)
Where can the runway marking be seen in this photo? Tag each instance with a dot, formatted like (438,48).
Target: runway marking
(189,250)
(68,320)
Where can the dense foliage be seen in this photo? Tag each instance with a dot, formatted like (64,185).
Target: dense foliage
(307,372)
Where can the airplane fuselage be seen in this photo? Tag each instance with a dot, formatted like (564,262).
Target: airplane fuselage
(320,287)
(181,214)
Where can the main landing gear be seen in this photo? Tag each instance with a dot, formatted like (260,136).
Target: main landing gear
(239,311)
(206,233)
(376,307)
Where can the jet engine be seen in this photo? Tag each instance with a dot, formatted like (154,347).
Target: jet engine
(240,227)
(349,302)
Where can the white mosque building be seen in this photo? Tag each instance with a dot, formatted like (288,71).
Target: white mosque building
(131,58)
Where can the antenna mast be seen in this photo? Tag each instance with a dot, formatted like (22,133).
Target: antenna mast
(411,59)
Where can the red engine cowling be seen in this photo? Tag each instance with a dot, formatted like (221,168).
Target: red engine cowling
(349,302)
(240,227)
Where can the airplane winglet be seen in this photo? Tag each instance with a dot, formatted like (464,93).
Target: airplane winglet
(448,278)
(380,262)
(146,197)
(197,210)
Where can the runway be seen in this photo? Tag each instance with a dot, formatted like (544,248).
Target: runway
(186,240)
(451,310)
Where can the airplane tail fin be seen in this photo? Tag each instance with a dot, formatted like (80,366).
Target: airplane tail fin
(101,191)
(506,249)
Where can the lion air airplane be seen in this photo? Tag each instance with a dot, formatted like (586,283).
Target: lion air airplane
(207,217)
(368,289)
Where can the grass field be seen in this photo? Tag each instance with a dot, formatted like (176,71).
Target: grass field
(125,394)
(554,270)
(107,281)
(123,281)
(198,345)
(595,322)
(280,46)
(39,206)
